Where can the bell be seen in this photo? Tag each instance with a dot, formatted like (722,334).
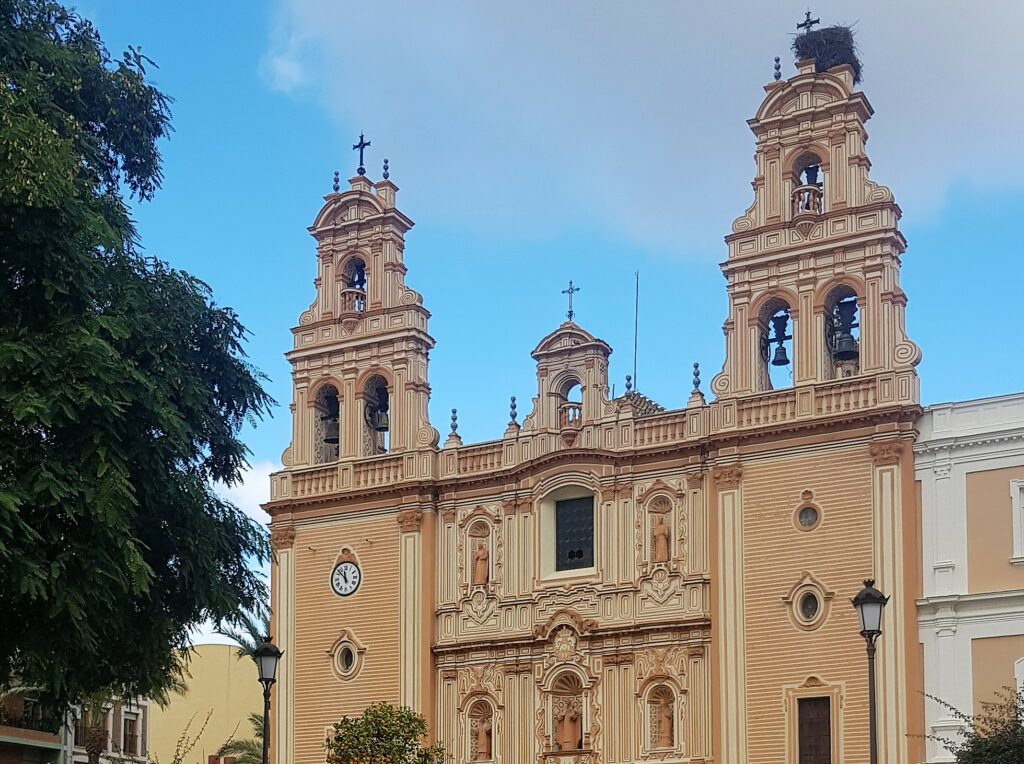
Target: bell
(330,430)
(381,423)
(781,357)
(846,348)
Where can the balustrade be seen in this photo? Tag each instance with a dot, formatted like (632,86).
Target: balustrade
(570,414)
(316,481)
(808,200)
(482,458)
(379,471)
(353,301)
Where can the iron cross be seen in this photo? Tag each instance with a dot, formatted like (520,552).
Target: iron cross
(570,291)
(363,143)
(808,22)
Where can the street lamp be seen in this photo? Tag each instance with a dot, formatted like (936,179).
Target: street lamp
(869,604)
(267,656)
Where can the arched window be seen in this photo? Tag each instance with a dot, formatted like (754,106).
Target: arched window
(326,429)
(776,351)
(570,409)
(661,719)
(481,731)
(376,416)
(567,713)
(842,333)
(353,289)
(808,186)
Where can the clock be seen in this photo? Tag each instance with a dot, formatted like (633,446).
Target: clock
(345,578)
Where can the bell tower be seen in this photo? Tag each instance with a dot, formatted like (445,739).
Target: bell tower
(359,362)
(814,263)
(814,495)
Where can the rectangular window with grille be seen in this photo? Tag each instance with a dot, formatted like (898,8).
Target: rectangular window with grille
(814,717)
(574,533)
(130,744)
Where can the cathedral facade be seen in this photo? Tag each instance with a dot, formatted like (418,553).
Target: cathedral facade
(610,581)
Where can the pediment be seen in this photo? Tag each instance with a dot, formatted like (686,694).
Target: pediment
(570,336)
(806,92)
(348,207)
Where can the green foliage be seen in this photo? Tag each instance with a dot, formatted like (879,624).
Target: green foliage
(246,751)
(382,735)
(249,633)
(829,46)
(123,387)
(994,736)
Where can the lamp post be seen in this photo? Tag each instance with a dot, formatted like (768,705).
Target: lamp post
(267,656)
(869,604)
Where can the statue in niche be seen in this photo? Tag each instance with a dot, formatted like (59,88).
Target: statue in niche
(661,534)
(664,723)
(483,739)
(568,729)
(481,564)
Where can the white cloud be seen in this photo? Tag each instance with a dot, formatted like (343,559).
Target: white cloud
(631,117)
(252,491)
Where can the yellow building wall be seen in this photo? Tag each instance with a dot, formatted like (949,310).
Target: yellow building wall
(990,532)
(992,662)
(220,682)
(781,654)
(370,615)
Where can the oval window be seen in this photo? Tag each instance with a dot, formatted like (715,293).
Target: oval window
(346,660)
(809,607)
(808,517)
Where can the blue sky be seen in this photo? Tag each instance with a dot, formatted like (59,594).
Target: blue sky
(537,142)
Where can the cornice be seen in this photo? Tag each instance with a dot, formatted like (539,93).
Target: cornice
(961,442)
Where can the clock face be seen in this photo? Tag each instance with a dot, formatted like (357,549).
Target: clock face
(346,578)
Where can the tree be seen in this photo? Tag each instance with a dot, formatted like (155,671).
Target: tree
(123,386)
(995,736)
(246,751)
(249,633)
(382,735)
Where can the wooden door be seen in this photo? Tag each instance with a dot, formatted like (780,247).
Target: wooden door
(814,722)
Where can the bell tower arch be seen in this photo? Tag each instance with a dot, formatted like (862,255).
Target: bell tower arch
(360,354)
(814,263)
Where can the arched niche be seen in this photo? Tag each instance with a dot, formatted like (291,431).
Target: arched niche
(775,345)
(841,325)
(480,731)
(567,712)
(326,424)
(663,728)
(353,285)
(570,403)
(376,424)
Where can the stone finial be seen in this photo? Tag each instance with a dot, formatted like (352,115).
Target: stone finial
(512,410)
(778,69)
(696,396)
(455,421)
(629,383)
(337,181)
(387,171)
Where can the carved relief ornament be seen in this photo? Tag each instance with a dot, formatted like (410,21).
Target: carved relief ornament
(886,452)
(410,519)
(727,478)
(282,536)
(565,616)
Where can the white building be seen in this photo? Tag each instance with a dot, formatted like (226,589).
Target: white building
(970,472)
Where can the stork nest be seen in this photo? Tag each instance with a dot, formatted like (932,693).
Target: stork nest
(830,46)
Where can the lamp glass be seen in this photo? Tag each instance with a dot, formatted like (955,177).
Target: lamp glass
(267,666)
(870,617)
